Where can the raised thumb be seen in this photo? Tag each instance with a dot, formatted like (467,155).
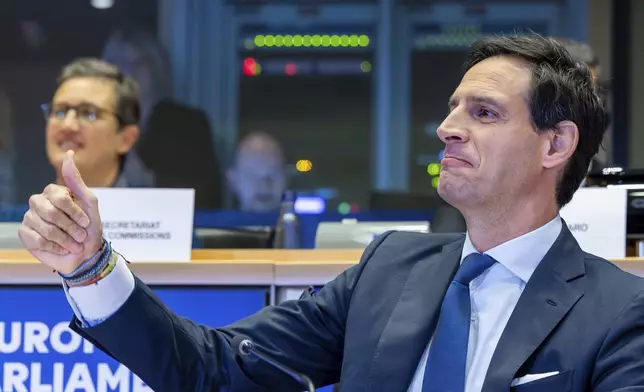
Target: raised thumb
(73,179)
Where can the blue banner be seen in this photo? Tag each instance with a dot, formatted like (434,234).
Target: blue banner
(39,353)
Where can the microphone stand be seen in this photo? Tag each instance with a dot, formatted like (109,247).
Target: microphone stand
(247,347)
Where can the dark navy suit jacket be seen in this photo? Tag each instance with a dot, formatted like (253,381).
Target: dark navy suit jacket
(579,315)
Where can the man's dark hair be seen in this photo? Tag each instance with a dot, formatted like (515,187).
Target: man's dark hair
(127,107)
(562,89)
(580,51)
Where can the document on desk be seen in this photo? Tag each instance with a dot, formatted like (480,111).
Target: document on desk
(148,224)
(596,218)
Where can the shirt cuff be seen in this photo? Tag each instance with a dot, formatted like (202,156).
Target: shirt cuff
(95,303)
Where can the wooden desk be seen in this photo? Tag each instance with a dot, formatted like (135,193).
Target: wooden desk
(227,267)
(207,267)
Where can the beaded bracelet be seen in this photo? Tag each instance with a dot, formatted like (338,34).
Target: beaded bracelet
(87,264)
(109,267)
(94,272)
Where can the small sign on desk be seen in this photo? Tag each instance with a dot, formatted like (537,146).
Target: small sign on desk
(148,224)
(597,219)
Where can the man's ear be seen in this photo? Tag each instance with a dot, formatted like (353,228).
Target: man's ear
(127,138)
(559,144)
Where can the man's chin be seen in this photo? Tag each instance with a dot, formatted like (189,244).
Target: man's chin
(451,192)
(56,160)
(59,153)
(445,194)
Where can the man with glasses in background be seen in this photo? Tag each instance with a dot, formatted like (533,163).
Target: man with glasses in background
(95,112)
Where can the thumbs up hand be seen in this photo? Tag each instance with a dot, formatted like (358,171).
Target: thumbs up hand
(62,227)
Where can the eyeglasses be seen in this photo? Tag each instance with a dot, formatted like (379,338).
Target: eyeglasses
(85,113)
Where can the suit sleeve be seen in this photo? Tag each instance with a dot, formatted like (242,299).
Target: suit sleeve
(171,353)
(620,363)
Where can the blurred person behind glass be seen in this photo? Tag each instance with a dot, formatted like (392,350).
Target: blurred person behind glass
(258,176)
(95,112)
(7,153)
(176,141)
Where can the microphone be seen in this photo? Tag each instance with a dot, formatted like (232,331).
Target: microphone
(245,347)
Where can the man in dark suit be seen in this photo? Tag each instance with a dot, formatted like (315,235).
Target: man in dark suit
(515,304)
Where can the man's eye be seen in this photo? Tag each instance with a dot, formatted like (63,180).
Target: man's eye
(88,114)
(485,113)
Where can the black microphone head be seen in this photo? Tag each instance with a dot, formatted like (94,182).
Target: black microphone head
(241,344)
(244,346)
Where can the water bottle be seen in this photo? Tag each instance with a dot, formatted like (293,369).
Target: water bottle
(287,230)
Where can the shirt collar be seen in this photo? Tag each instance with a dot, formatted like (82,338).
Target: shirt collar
(523,254)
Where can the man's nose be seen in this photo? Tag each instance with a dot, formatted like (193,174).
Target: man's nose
(452,131)
(71,121)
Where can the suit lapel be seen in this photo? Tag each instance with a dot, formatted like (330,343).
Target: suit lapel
(413,320)
(546,299)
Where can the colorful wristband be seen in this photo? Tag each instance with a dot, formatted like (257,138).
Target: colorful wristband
(87,264)
(106,271)
(92,269)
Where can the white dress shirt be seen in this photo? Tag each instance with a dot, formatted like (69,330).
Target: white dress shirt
(494,295)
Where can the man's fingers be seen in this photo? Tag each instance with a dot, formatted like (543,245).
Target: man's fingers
(74,181)
(56,209)
(34,242)
(49,233)
(61,198)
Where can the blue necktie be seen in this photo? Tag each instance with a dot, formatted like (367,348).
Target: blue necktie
(446,362)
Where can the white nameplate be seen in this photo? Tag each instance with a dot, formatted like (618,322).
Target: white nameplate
(597,219)
(148,224)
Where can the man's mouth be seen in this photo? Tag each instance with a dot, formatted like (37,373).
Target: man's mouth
(450,160)
(69,145)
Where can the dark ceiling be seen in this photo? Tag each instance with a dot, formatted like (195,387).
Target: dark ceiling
(64,29)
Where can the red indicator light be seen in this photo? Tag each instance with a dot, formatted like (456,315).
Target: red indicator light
(290,69)
(250,67)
